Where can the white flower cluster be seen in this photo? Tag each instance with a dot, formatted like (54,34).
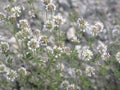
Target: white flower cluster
(58,19)
(4,46)
(102,49)
(57,51)
(87,54)
(2,68)
(78,72)
(67,86)
(36,42)
(16,11)
(49,25)
(23,24)
(92,29)
(71,87)
(23,34)
(43,40)
(49,5)
(96,29)
(64,84)
(54,23)
(82,24)
(84,53)
(34,37)
(89,71)
(2,16)
(33,44)
(46,2)
(10,74)
(22,71)
(67,50)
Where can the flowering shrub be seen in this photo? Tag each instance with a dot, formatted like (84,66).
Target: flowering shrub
(45,57)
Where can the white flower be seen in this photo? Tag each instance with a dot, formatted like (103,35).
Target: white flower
(46,2)
(49,49)
(12,19)
(105,56)
(23,34)
(43,40)
(27,33)
(96,29)
(87,55)
(57,51)
(118,56)
(22,71)
(49,25)
(7,8)
(82,24)
(11,75)
(70,87)
(89,71)
(101,47)
(51,7)
(23,24)
(99,26)
(78,47)
(58,19)
(67,50)
(4,46)
(16,11)
(19,35)
(37,33)
(2,68)
(84,53)
(78,72)
(64,84)
(2,16)
(33,44)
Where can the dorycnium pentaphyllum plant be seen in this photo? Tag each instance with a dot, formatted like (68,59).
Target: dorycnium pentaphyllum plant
(44,56)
